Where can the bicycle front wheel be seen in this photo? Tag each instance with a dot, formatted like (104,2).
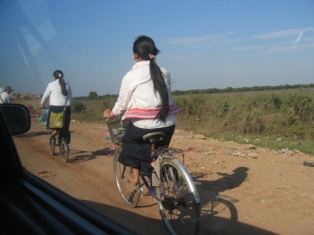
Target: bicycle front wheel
(64,150)
(180,205)
(129,193)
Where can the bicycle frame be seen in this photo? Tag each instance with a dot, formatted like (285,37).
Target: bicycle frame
(149,185)
(169,184)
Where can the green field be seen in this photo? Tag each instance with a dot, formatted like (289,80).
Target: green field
(277,119)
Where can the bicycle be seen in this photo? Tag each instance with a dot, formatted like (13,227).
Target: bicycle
(169,183)
(55,140)
(61,143)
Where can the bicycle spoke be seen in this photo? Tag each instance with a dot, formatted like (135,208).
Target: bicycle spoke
(64,150)
(180,207)
(52,145)
(129,193)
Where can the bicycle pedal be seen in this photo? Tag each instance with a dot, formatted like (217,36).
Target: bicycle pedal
(145,174)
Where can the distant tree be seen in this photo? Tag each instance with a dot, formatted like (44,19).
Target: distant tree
(228,89)
(78,107)
(92,95)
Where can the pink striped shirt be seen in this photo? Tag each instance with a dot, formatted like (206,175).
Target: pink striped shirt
(138,113)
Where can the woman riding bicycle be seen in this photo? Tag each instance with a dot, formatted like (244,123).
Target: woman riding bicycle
(145,97)
(60,95)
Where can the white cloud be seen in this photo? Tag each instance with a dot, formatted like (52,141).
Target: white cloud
(280,49)
(185,57)
(212,39)
(280,41)
(283,33)
(247,48)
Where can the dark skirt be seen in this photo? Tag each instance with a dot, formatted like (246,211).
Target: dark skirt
(136,153)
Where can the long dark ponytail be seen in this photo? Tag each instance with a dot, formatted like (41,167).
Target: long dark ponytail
(58,74)
(145,48)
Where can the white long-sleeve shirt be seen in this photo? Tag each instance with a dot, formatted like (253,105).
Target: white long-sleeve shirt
(137,91)
(53,91)
(4,98)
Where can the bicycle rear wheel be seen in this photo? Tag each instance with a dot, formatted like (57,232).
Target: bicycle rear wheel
(180,205)
(52,145)
(64,150)
(129,193)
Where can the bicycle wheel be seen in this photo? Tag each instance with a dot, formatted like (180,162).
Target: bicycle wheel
(180,205)
(129,193)
(64,150)
(52,145)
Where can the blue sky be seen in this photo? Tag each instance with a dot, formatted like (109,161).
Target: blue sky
(204,44)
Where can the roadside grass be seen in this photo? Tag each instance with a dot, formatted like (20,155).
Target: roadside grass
(282,141)
(90,110)
(275,142)
(279,120)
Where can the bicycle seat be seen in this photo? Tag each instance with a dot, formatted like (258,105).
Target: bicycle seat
(154,136)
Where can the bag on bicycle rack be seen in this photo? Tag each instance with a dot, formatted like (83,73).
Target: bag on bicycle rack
(56,120)
(57,116)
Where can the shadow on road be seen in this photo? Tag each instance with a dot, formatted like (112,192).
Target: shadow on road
(77,156)
(219,214)
(35,133)
(133,219)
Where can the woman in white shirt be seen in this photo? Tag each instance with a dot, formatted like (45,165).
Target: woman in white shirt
(145,98)
(5,95)
(60,95)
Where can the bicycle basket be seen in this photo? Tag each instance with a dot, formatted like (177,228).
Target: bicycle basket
(116,129)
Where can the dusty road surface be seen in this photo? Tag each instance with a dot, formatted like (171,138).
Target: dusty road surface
(251,190)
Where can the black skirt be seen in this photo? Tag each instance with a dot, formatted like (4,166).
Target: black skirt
(136,152)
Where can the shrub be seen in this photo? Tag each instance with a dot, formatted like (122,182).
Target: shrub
(78,107)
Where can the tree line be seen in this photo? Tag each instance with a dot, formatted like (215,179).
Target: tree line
(94,96)
(241,89)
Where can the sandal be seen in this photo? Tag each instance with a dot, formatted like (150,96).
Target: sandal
(134,176)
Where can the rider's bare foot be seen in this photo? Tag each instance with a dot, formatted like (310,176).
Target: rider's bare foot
(134,176)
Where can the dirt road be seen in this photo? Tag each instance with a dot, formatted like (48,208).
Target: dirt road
(252,190)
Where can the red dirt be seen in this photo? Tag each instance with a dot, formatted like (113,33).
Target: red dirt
(254,190)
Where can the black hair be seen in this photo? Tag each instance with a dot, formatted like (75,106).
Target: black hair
(58,74)
(145,48)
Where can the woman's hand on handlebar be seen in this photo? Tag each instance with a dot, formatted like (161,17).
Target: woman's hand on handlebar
(107,113)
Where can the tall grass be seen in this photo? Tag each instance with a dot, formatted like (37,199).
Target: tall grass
(90,110)
(281,114)
(288,114)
